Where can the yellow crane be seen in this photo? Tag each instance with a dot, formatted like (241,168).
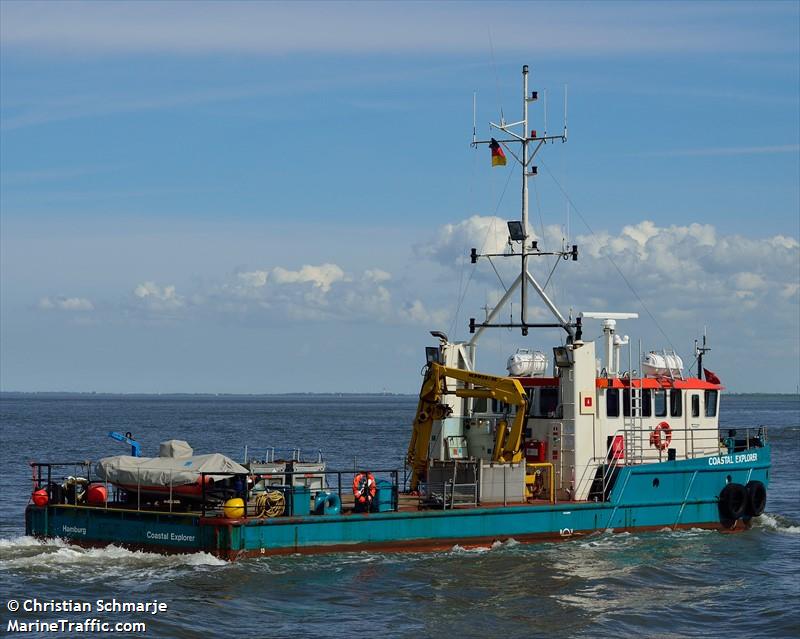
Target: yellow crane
(507,445)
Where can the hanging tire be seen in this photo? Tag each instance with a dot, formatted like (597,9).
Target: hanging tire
(756,498)
(733,502)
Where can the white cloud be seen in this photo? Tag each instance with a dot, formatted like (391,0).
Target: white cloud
(158,298)
(316,292)
(416,312)
(377,275)
(322,277)
(488,234)
(255,279)
(745,289)
(641,233)
(693,267)
(689,274)
(790,290)
(748,281)
(80,304)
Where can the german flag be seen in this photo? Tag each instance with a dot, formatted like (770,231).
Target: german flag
(498,157)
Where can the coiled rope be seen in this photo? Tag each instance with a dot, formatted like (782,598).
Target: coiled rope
(270,504)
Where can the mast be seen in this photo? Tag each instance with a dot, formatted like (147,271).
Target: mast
(699,351)
(524,293)
(519,231)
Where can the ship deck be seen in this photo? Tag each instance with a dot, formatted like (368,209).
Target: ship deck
(406,503)
(674,494)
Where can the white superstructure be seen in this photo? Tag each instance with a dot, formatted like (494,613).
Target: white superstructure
(590,415)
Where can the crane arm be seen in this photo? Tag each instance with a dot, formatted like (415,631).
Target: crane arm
(430,408)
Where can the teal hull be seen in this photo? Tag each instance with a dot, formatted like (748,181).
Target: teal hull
(676,494)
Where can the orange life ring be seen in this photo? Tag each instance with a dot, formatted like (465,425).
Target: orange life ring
(364,487)
(656,439)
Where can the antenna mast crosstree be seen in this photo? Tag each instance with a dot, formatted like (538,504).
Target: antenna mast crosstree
(527,138)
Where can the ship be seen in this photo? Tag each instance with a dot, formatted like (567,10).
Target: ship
(590,438)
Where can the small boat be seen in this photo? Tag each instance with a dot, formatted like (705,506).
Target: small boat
(174,474)
(595,445)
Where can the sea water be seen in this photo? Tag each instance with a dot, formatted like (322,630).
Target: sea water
(665,584)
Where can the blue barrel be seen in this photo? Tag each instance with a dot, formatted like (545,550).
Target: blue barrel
(301,501)
(298,500)
(385,497)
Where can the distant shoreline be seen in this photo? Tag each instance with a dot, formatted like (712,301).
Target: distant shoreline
(83,395)
(89,395)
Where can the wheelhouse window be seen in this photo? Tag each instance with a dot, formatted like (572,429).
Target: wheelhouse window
(675,403)
(612,402)
(499,407)
(660,401)
(695,405)
(547,406)
(647,404)
(479,405)
(711,403)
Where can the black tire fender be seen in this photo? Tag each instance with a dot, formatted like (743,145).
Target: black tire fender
(733,502)
(756,498)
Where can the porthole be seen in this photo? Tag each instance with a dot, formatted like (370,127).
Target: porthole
(656,482)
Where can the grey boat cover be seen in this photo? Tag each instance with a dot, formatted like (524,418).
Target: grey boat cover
(158,471)
(175,448)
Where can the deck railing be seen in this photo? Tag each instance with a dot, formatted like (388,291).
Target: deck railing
(448,494)
(70,488)
(538,483)
(685,443)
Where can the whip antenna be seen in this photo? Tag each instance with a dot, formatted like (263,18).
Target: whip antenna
(474,128)
(545,113)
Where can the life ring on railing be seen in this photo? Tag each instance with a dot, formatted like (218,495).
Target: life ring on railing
(655,436)
(364,487)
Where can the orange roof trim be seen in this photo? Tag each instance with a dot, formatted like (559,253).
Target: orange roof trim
(692,383)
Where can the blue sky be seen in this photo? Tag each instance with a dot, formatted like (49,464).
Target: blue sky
(266,197)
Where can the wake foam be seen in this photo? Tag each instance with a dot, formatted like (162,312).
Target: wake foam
(31,554)
(24,541)
(608,539)
(459,549)
(496,545)
(777,522)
